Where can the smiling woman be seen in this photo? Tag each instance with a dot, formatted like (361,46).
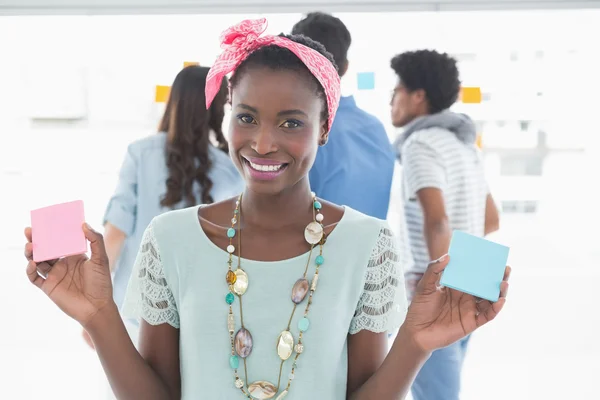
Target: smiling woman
(315,284)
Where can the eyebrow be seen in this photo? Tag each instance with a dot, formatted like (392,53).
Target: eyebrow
(281,113)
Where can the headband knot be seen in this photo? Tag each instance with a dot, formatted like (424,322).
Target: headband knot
(243,36)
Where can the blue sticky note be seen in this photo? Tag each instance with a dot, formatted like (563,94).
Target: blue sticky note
(366,80)
(476,266)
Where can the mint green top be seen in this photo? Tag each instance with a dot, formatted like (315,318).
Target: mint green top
(179,279)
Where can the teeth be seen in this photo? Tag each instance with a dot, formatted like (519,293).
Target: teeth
(266,168)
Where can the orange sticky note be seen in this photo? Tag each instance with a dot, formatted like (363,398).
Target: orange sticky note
(189,63)
(471,95)
(161,93)
(479,141)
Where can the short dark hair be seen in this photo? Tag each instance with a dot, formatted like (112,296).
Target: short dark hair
(280,58)
(435,73)
(329,31)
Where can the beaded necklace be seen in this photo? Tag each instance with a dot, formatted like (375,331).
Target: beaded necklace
(237,281)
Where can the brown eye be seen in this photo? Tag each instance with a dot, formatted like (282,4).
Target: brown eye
(291,124)
(246,119)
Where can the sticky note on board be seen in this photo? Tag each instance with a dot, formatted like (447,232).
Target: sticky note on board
(190,63)
(476,266)
(161,94)
(479,141)
(366,80)
(471,95)
(56,231)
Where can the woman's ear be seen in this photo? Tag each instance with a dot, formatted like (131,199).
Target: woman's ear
(324,136)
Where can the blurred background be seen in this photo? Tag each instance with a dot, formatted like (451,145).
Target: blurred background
(79,81)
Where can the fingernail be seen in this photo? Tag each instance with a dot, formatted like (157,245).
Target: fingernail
(436,261)
(87,226)
(439,260)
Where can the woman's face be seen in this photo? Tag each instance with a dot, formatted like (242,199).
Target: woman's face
(275,128)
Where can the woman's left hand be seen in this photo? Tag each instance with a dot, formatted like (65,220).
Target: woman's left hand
(439,316)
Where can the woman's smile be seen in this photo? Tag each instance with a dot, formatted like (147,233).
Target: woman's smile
(264,169)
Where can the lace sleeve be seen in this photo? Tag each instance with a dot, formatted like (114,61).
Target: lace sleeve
(148,295)
(382,305)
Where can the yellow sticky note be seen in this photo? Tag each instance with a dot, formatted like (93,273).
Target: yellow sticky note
(161,94)
(471,95)
(189,63)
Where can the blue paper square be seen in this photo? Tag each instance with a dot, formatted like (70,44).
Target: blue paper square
(476,266)
(366,80)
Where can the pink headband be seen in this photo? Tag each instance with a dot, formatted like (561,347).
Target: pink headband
(239,41)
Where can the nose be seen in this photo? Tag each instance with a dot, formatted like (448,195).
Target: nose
(264,142)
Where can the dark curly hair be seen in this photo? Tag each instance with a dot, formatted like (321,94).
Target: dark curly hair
(279,58)
(435,73)
(188,124)
(328,30)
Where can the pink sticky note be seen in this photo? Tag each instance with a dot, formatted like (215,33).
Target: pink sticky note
(56,231)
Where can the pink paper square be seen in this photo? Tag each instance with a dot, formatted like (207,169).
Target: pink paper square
(56,231)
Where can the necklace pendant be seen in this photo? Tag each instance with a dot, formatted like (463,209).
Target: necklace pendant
(262,390)
(313,233)
(299,290)
(243,343)
(240,284)
(285,345)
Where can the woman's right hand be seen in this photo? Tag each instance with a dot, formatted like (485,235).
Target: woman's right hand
(80,286)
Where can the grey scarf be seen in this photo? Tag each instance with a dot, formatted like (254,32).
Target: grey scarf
(459,124)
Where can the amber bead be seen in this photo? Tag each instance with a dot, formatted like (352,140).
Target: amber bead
(231,278)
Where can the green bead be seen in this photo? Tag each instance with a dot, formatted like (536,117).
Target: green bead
(230,298)
(317,205)
(230,232)
(303,324)
(320,260)
(234,362)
